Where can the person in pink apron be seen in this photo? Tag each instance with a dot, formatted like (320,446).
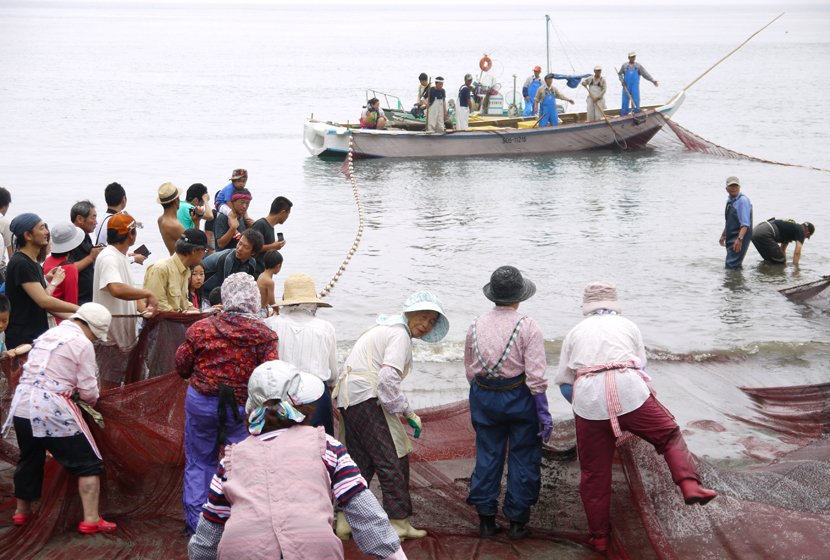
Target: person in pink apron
(601,372)
(45,417)
(271,496)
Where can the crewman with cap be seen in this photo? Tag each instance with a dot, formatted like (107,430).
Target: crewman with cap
(597,86)
(546,101)
(436,102)
(532,84)
(465,104)
(772,237)
(737,233)
(629,74)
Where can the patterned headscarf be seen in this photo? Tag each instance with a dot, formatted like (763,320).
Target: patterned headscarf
(240,295)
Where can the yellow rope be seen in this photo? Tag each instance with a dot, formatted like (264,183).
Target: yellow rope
(336,277)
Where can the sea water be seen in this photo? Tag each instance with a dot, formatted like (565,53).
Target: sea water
(144,93)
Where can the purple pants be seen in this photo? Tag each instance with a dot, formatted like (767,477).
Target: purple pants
(201,452)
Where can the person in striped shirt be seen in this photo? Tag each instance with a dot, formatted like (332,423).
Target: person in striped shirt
(276,473)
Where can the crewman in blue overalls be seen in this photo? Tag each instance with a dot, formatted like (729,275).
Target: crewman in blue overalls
(629,74)
(546,99)
(529,91)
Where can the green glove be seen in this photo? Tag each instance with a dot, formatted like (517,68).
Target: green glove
(414,421)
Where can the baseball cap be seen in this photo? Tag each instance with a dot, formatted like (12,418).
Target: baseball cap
(97,317)
(597,67)
(195,236)
(733,181)
(537,68)
(122,223)
(239,174)
(632,53)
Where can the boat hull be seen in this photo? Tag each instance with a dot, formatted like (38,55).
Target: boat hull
(637,130)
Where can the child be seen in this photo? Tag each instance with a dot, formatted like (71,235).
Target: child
(265,282)
(215,298)
(197,278)
(238,181)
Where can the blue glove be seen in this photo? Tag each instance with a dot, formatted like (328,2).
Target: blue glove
(545,421)
(567,392)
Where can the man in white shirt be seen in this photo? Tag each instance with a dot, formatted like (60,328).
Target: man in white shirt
(306,341)
(609,412)
(113,285)
(116,198)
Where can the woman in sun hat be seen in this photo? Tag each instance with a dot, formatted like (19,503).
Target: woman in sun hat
(505,361)
(283,478)
(371,401)
(46,418)
(66,236)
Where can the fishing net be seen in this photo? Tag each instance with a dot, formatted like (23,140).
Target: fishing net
(813,293)
(778,510)
(675,135)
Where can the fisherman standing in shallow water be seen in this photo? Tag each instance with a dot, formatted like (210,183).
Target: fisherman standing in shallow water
(505,361)
(738,230)
(601,372)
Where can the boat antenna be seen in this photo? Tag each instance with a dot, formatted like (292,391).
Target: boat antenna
(733,52)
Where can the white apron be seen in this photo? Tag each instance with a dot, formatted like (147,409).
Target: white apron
(593,112)
(52,413)
(341,392)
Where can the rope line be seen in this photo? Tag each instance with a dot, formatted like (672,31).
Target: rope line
(350,175)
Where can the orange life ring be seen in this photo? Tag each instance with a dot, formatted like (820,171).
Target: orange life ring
(485,64)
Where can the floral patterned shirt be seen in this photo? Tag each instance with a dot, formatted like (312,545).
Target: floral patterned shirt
(225,348)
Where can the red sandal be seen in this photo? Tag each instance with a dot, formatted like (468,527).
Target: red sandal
(100,527)
(20,519)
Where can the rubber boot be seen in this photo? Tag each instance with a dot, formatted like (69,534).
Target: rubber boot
(601,543)
(343,530)
(488,526)
(694,493)
(405,530)
(518,531)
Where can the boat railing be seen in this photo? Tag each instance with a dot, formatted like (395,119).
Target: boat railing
(373,93)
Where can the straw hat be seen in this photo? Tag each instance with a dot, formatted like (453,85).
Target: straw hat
(168,192)
(600,295)
(299,288)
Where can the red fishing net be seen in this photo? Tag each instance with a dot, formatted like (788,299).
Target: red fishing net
(775,511)
(813,293)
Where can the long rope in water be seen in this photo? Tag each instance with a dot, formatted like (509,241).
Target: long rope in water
(350,167)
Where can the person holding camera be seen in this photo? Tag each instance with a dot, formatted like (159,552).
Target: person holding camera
(195,207)
(373,116)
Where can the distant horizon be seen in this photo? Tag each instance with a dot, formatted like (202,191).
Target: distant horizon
(480,3)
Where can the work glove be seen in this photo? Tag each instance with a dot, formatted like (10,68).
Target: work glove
(415,421)
(545,421)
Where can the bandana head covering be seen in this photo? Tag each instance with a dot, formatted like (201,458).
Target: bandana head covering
(24,222)
(420,301)
(241,295)
(278,380)
(241,193)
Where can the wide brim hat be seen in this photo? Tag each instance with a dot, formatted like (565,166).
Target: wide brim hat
(282,381)
(66,236)
(600,295)
(426,301)
(299,288)
(507,286)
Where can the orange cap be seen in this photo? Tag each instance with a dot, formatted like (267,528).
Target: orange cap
(122,223)
(537,68)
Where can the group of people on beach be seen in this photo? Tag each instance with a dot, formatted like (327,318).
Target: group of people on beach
(266,384)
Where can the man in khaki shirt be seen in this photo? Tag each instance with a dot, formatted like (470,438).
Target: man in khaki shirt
(169,278)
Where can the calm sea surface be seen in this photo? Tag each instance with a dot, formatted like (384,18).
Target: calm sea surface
(142,94)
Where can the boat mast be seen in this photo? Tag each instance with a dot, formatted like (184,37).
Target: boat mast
(547,35)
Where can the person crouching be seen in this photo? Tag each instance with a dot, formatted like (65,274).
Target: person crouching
(601,371)
(46,418)
(283,478)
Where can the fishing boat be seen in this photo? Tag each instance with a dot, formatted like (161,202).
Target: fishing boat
(635,130)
